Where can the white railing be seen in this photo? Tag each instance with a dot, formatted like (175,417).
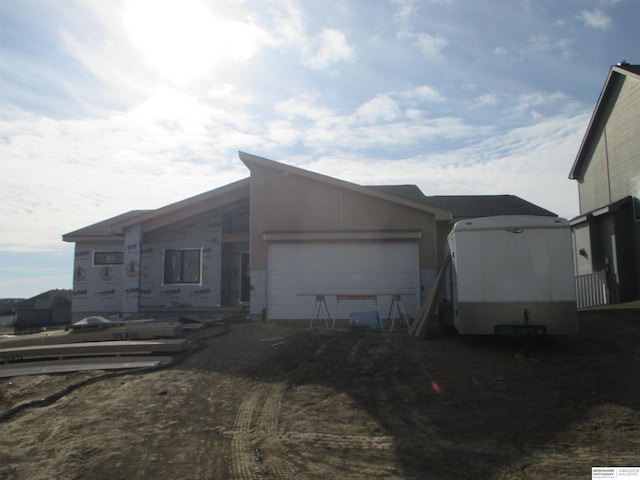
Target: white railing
(592,289)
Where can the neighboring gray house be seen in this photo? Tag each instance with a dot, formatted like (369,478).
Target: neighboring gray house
(271,243)
(607,168)
(50,309)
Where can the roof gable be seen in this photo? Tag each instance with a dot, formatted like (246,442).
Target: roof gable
(151,219)
(188,207)
(617,74)
(253,160)
(45,300)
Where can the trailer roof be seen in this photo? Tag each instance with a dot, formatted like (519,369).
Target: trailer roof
(510,222)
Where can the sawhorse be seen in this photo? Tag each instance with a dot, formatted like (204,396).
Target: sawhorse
(397,301)
(320,306)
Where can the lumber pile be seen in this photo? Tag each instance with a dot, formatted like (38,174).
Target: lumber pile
(96,343)
(89,349)
(97,332)
(80,364)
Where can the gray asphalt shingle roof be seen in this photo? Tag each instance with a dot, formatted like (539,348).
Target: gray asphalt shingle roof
(469,206)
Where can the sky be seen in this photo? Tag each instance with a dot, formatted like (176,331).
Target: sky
(112,105)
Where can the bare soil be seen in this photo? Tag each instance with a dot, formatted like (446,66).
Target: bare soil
(338,404)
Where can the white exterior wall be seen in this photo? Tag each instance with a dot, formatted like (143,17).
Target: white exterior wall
(139,281)
(96,288)
(206,236)
(503,265)
(513,258)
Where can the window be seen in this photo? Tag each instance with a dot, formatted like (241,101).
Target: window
(182,266)
(108,258)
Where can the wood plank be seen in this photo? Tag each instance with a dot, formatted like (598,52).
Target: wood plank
(86,349)
(79,364)
(120,331)
(420,327)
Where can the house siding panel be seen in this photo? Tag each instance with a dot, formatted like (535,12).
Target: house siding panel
(623,140)
(614,159)
(294,203)
(594,185)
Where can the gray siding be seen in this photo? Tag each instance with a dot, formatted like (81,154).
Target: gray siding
(623,140)
(594,186)
(614,164)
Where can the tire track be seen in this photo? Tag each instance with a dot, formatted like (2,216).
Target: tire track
(275,458)
(256,448)
(243,462)
(360,442)
(259,450)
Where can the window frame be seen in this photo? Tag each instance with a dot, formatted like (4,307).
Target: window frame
(106,262)
(181,281)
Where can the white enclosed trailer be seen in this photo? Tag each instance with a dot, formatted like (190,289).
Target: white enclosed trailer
(512,274)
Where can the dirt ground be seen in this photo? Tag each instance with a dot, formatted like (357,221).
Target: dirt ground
(339,404)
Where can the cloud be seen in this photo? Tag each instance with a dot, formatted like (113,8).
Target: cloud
(385,122)
(303,106)
(430,45)
(166,148)
(380,108)
(544,43)
(405,9)
(485,100)
(532,162)
(288,23)
(595,19)
(283,132)
(318,52)
(185,40)
(329,47)
(174,145)
(424,93)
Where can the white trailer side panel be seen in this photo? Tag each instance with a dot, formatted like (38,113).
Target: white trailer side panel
(504,265)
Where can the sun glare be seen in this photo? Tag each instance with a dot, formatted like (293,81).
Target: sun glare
(184,39)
